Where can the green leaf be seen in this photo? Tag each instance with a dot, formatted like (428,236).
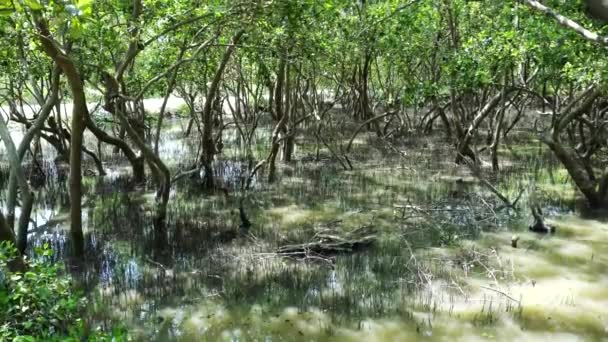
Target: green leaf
(6,7)
(86,6)
(5,12)
(34,5)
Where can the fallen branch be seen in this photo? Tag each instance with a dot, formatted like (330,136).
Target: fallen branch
(500,292)
(325,244)
(477,173)
(365,123)
(183,174)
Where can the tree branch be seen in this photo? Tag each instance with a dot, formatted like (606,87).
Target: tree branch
(569,23)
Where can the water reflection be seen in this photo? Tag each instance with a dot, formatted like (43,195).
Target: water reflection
(207,282)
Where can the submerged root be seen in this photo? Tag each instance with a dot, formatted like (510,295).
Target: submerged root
(539,225)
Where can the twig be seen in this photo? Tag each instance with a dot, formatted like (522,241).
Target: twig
(477,173)
(502,293)
(157,264)
(183,174)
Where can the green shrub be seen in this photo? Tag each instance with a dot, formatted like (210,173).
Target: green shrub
(40,304)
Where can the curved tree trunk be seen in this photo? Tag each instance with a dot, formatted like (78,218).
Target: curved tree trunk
(464,148)
(594,191)
(137,162)
(281,115)
(27,196)
(500,118)
(32,131)
(576,170)
(162,195)
(289,141)
(79,113)
(208,142)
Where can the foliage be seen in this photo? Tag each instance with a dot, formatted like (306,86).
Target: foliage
(370,56)
(40,304)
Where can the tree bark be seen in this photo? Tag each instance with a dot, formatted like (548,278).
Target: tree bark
(208,142)
(282,116)
(79,113)
(592,189)
(576,170)
(137,162)
(162,195)
(569,23)
(463,148)
(289,141)
(498,128)
(27,197)
(32,131)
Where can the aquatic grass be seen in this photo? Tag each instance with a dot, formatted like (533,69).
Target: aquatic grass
(205,280)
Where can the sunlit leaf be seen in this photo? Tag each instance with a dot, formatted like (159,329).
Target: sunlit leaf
(76,28)
(34,5)
(85,6)
(6,7)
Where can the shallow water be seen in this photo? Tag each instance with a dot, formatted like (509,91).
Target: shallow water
(442,267)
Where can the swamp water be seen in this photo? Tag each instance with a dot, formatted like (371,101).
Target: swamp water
(441,269)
